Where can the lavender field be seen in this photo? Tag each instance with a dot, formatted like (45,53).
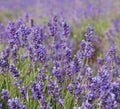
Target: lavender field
(59,54)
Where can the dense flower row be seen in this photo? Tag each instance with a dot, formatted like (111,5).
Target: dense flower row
(80,9)
(61,75)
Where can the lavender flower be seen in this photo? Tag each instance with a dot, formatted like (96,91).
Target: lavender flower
(11,31)
(1,106)
(14,54)
(32,22)
(66,29)
(23,91)
(51,29)
(87,49)
(45,104)
(41,53)
(61,74)
(67,55)
(61,101)
(70,88)
(4,66)
(54,91)
(24,31)
(5,95)
(76,65)
(37,90)
(5,53)
(15,104)
(14,71)
(90,33)
(57,72)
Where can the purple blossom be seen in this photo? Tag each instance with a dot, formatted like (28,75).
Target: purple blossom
(70,88)
(76,65)
(11,33)
(77,91)
(15,104)
(67,55)
(87,49)
(24,31)
(31,22)
(54,91)
(66,29)
(58,70)
(1,106)
(51,29)
(14,71)
(4,66)
(61,101)
(90,33)
(23,91)
(45,104)
(5,53)
(14,54)
(5,95)
(41,53)
(37,90)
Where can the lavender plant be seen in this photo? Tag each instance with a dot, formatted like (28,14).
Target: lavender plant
(40,69)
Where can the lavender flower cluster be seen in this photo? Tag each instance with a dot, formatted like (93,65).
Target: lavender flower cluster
(48,72)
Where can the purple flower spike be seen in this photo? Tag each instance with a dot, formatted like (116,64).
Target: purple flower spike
(15,104)
(5,95)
